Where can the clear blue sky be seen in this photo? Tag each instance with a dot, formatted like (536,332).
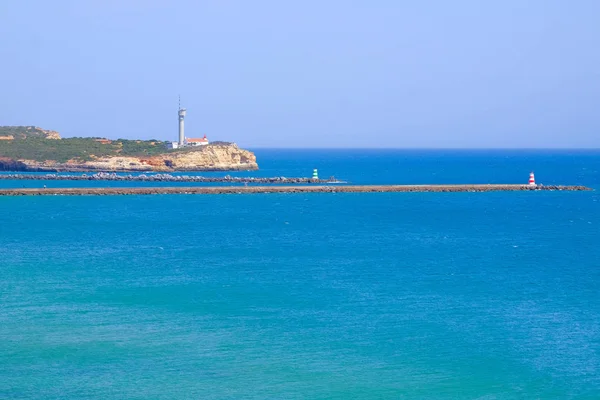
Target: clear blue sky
(324,73)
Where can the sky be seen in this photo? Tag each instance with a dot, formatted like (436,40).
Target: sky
(304,73)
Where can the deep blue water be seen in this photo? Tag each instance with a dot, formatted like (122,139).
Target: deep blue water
(329,296)
(404,167)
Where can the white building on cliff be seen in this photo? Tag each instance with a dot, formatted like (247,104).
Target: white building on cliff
(191,142)
(184,141)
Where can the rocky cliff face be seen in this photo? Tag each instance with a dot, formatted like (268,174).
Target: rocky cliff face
(214,157)
(8,164)
(48,134)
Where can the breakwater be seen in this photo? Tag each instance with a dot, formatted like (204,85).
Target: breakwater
(107,176)
(286,189)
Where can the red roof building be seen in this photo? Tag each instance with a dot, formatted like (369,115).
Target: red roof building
(196,141)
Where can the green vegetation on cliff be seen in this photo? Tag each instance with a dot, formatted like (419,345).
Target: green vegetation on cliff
(30,143)
(26,132)
(82,149)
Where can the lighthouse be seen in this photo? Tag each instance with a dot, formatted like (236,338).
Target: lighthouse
(181,114)
(315,175)
(532,179)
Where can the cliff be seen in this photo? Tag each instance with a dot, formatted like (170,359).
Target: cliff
(30,149)
(206,158)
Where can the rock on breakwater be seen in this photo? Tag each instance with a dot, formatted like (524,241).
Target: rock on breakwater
(111,176)
(286,189)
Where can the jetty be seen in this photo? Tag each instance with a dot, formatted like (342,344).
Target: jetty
(285,189)
(114,177)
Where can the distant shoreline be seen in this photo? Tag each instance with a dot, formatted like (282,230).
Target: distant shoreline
(33,149)
(286,189)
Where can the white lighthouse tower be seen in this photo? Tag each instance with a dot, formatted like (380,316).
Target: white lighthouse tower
(181,114)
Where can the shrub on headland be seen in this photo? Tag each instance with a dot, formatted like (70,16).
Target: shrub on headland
(30,143)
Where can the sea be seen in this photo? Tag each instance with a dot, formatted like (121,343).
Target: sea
(313,295)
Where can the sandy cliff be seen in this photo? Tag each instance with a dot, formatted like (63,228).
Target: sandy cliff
(214,157)
(48,134)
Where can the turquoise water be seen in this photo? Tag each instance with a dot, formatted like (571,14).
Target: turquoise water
(329,296)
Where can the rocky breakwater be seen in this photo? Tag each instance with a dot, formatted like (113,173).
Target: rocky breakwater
(284,189)
(163,177)
(214,157)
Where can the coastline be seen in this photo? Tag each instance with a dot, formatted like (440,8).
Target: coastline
(134,156)
(144,169)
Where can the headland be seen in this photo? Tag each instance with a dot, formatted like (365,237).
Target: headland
(286,189)
(29,148)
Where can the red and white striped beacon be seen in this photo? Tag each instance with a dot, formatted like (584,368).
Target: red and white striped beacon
(532,179)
